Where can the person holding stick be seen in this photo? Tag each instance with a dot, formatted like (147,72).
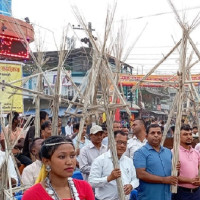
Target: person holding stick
(153,164)
(103,176)
(188,180)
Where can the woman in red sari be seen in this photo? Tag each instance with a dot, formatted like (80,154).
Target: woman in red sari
(59,158)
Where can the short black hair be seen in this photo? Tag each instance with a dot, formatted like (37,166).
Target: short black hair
(194,127)
(33,143)
(104,126)
(162,122)
(153,126)
(182,121)
(14,115)
(45,125)
(47,151)
(50,119)
(43,115)
(119,132)
(186,127)
(141,121)
(173,128)
(76,126)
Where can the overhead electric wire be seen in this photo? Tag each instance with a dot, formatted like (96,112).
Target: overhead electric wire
(158,14)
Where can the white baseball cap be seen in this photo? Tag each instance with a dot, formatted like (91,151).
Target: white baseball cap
(95,129)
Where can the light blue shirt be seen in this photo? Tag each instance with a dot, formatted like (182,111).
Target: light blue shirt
(81,145)
(156,163)
(105,141)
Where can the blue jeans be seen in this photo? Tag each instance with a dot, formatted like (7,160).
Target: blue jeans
(186,195)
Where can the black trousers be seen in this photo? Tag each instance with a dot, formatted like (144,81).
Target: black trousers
(185,194)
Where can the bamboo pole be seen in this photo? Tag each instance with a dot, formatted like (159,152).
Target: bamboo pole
(37,107)
(193,46)
(30,95)
(196,106)
(192,81)
(160,82)
(109,122)
(194,89)
(8,150)
(109,72)
(74,85)
(156,66)
(56,100)
(81,87)
(181,74)
(50,97)
(25,79)
(98,69)
(56,103)
(193,64)
(167,126)
(94,72)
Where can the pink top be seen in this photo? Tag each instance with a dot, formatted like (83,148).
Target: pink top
(37,192)
(190,160)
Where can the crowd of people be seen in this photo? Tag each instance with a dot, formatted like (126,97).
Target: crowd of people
(48,163)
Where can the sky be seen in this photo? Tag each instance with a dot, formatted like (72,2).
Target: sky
(49,18)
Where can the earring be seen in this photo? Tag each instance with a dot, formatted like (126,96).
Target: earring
(48,168)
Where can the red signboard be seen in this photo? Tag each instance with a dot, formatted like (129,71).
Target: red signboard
(153,80)
(13,47)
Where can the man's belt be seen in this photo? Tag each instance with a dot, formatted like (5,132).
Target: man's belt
(190,190)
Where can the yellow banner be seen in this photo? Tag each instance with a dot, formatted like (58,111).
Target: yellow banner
(10,72)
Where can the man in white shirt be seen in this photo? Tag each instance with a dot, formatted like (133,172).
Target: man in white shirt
(91,151)
(11,168)
(31,172)
(83,142)
(103,176)
(195,133)
(69,129)
(197,147)
(139,137)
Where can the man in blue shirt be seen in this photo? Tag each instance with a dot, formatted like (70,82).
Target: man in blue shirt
(153,167)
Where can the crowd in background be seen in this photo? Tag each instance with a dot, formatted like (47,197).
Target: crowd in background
(144,164)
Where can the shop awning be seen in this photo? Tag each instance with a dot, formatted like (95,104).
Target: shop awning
(159,112)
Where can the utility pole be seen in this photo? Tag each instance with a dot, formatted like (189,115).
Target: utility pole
(90,29)
(87,41)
